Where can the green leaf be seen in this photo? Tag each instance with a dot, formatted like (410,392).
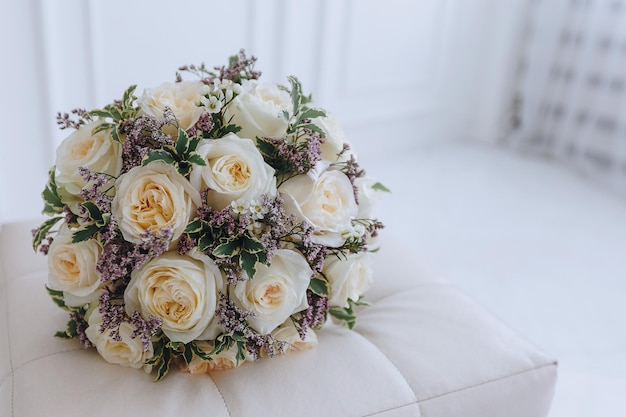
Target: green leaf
(115,134)
(227,249)
(62,335)
(85,233)
(183,168)
(93,210)
(315,128)
(71,330)
(101,127)
(205,356)
(114,111)
(128,98)
(193,143)
(296,93)
(164,366)
(187,354)
(54,293)
(194,227)
(196,159)
(52,202)
(266,148)
(182,143)
(158,155)
(43,230)
(262,257)
(248,261)
(57,298)
(205,242)
(344,314)
(101,113)
(319,287)
(252,245)
(311,113)
(241,352)
(238,337)
(224,130)
(158,353)
(222,342)
(380,187)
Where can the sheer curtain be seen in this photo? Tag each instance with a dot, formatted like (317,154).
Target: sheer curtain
(571,94)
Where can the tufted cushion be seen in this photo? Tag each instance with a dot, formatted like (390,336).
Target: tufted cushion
(421,349)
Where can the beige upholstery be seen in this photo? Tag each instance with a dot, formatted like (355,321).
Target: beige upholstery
(421,349)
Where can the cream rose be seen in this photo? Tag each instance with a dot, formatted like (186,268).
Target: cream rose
(181,290)
(226,359)
(288,333)
(235,170)
(153,197)
(369,198)
(181,98)
(276,291)
(97,152)
(326,202)
(258,110)
(127,352)
(349,278)
(72,268)
(335,139)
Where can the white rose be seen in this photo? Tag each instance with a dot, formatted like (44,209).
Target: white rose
(153,197)
(226,359)
(258,110)
(127,352)
(288,333)
(369,198)
(335,139)
(97,152)
(349,278)
(327,203)
(181,290)
(235,170)
(276,291)
(72,268)
(181,98)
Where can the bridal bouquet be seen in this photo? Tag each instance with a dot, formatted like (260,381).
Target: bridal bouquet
(206,223)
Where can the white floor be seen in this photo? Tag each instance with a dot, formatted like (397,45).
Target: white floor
(538,244)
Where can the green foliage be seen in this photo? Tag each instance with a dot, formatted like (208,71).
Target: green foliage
(319,286)
(346,314)
(114,114)
(380,187)
(52,202)
(224,129)
(245,249)
(85,233)
(182,155)
(99,222)
(249,249)
(282,154)
(57,298)
(70,331)
(301,113)
(43,231)
(165,351)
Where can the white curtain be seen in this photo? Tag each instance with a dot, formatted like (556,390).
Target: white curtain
(571,95)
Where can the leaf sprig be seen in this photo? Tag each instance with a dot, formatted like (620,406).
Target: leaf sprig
(116,113)
(182,155)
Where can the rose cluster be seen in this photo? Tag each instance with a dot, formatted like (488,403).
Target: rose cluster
(206,223)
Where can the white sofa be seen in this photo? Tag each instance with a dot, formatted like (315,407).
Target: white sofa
(421,349)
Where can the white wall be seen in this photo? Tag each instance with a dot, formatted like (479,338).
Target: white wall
(396,72)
